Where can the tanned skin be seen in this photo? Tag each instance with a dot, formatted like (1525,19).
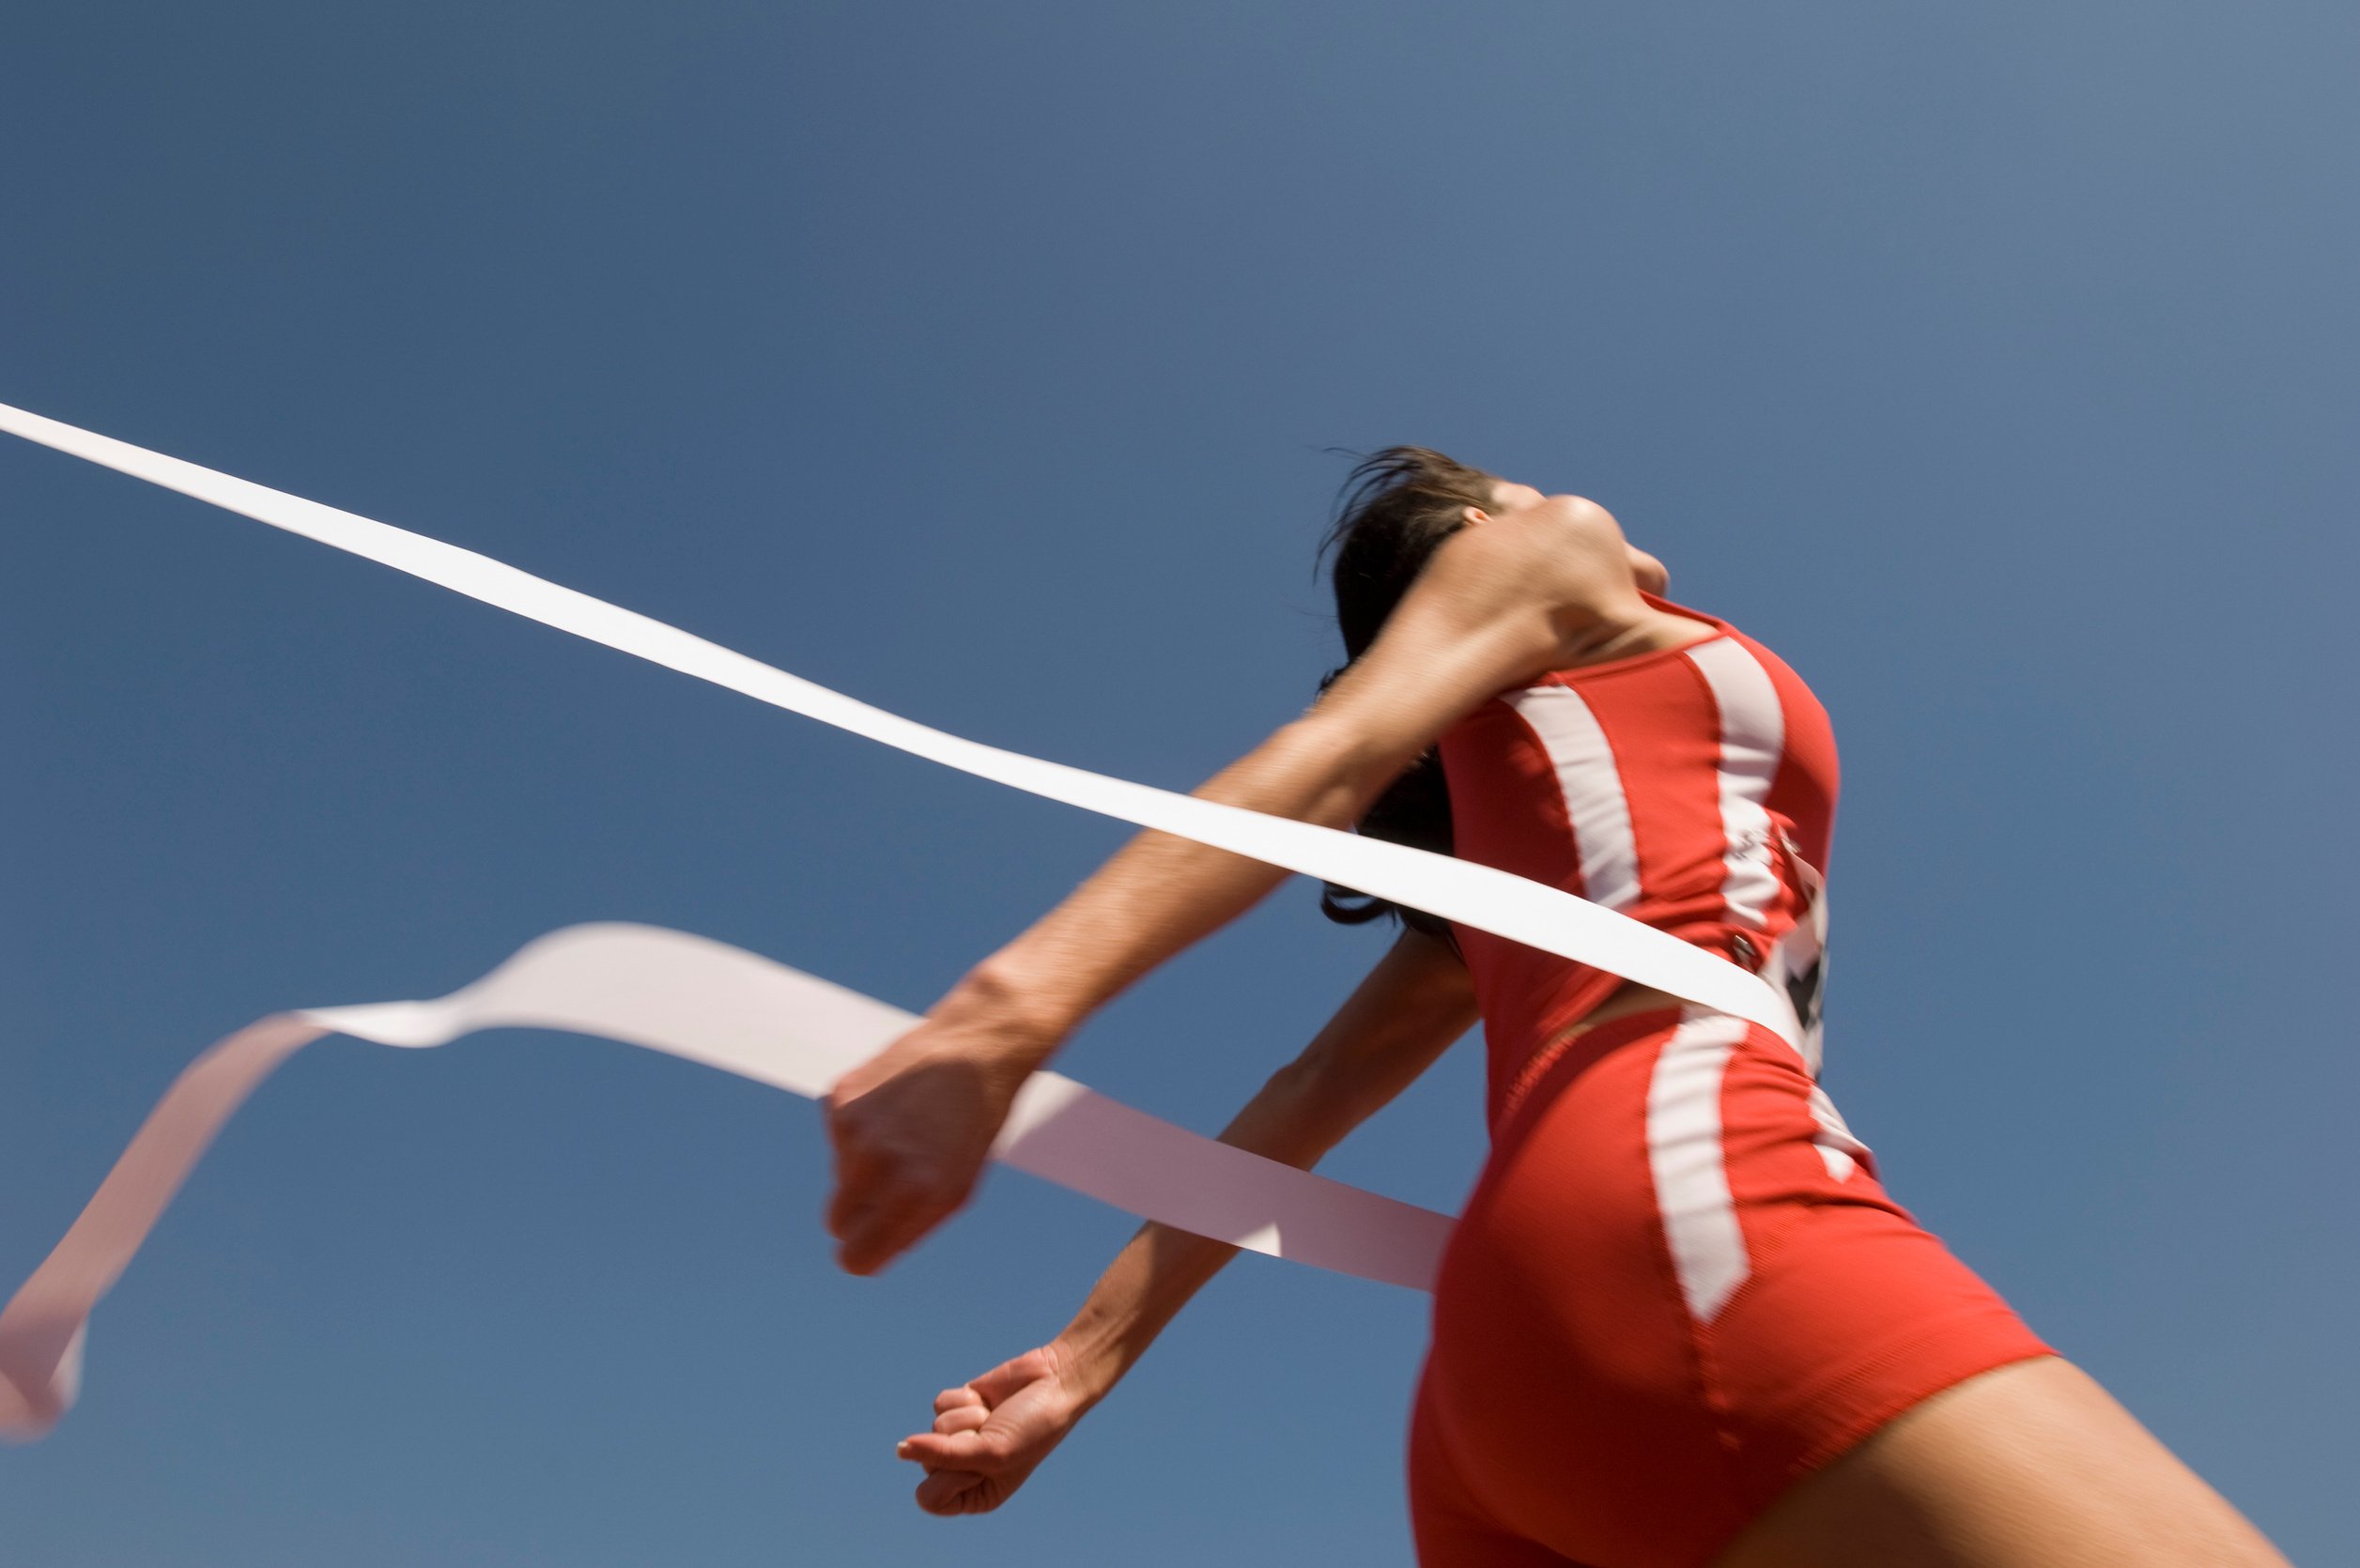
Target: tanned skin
(2031,1466)
(1548,584)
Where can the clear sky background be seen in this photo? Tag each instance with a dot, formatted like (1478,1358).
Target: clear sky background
(1994,363)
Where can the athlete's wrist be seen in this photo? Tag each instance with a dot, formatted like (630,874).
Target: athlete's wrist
(1007,1015)
(1088,1366)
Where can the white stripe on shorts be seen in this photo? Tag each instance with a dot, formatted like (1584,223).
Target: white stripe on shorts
(1683,1155)
(1839,1149)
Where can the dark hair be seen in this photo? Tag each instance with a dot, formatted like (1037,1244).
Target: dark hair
(1397,506)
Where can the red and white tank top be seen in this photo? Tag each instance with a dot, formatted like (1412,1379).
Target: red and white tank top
(1692,788)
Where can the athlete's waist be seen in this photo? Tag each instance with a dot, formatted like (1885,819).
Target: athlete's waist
(1629,1000)
(1537,1006)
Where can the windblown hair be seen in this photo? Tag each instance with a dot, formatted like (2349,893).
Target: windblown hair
(1395,508)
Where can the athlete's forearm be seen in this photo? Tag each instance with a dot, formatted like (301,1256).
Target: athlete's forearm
(1450,646)
(1414,1003)
(1160,1270)
(1473,625)
(1160,895)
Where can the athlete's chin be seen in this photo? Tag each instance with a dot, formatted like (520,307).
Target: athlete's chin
(1650,573)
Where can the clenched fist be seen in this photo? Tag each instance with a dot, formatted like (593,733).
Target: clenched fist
(911,1127)
(989,1435)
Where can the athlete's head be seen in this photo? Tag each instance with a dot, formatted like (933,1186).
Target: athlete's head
(1396,507)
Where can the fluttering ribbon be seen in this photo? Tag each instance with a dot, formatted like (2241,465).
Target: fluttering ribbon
(705,1001)
(1075,1137)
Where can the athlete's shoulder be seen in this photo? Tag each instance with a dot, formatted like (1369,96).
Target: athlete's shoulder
(1725,628)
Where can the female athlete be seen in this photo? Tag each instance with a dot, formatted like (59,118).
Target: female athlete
(1679,1322)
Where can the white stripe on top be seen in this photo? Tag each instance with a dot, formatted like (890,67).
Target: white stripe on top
(1592,790)
(1683,1155)
(1753,738)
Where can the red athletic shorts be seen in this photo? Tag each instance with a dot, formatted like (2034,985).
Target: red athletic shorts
(1676,1289)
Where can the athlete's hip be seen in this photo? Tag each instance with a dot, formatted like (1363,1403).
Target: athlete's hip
(1676,1286)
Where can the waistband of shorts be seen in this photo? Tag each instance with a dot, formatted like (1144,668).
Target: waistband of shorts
(1588,1046)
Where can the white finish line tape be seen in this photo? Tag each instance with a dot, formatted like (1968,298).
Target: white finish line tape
(705,1001)
(1492,901)
(656,997)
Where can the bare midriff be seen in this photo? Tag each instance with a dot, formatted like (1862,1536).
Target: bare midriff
(1632,998)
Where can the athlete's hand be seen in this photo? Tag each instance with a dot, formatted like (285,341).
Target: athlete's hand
(913,1125)
(990,1435)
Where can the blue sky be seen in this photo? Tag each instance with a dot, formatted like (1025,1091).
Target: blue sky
(1994,364)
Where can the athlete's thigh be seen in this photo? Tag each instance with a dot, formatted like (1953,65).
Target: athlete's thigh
(2030,1466)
